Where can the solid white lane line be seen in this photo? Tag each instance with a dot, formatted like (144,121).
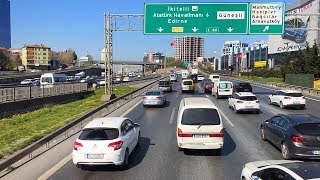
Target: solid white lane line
(55,168)
(172,115)
(130,109)
(224,116)
(177,94)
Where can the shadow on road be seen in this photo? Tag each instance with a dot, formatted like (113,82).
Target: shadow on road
(135,158)
(228,148)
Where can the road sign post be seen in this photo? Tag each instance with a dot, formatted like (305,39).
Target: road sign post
(214,18)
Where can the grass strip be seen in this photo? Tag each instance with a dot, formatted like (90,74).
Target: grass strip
(260,79)
(21,130)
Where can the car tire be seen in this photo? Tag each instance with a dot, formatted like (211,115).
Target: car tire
(269,100)
(144,105)
(263,135)
(235,110)
(281,105)
(125,163)
(297,39)
(303,107)
(218,151)
(79,166)
(180,149)
(257,112)
(285,151)
(139,139)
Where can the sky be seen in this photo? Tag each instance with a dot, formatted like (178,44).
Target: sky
(78,24)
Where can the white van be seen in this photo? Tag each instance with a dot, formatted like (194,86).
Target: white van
(199,125)
(222,89)
(184,74)
(214,77)
(52,78)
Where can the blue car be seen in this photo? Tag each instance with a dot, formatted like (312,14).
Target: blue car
(296,35)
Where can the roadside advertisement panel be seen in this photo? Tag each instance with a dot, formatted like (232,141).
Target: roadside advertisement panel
(258,64)
(296,17)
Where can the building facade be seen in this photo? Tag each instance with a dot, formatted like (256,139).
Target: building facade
(36,57)
(153,57)
(188,49)
(5,24)
(228,53)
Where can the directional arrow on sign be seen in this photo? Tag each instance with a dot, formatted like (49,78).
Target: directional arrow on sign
(266,28)
(194,29)
(230,29)
(207,15)
(160,29)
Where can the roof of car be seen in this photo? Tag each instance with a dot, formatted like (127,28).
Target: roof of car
(187,80)
(245,94)
(260,164)
(296,119)
(198,102)
(306,170)
(290,91)
(154,90)
(106,122)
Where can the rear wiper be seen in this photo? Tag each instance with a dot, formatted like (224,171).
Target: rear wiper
(203,123)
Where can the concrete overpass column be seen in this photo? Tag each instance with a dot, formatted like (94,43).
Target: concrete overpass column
(122,70)
(144,69)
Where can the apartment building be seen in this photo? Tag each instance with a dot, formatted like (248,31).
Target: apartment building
(188,48)
(36,57)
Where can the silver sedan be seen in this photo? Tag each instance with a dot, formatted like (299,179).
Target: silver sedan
(154,97)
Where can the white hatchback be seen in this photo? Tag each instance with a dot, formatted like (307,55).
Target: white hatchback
(288,98)
(199,125)
(244,101)
(106,141)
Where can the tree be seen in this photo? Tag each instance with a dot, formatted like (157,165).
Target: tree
(4,59)
(67,57)
(15,61)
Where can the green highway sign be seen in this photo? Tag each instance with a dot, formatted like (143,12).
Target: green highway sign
(266,18)
(213,18)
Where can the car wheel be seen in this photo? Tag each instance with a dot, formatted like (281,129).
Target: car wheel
(263,136)
(218,151)
(180,149)
(298,38)
(285,151)
(281,105)
(126,159)
(79,166)
(269,100)
(257,111)
(235,110)
(139,138)
(243,178)
(145,106)
(283,36)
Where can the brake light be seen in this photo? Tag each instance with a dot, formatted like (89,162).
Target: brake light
(297,138)
(180,134)
(257,101)
(144,97)
(217,135)
(158,97)
(286,97)
(116,145)
(240,87)
(250,87)
(239,101)
(77,145)
(303,97)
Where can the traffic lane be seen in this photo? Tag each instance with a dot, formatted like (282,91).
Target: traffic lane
(148,160)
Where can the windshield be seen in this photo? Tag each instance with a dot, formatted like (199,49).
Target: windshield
(187,82)
(198,116)
(99,134)
(153,93)
(248,98)
(294,94)
(225,85)
(164,83)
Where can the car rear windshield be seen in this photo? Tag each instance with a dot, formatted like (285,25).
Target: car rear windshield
(208,83)
(215,77)
(164,83)
(198,116)
(308,128)
(99,134)
(172,75)
(248,98)
(187,82)
(245,84)
(200,76)
(152,93)
(294,94)
(225,85)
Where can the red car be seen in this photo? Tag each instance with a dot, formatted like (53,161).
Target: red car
(207,86)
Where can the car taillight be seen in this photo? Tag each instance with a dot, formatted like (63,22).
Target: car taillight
(239,101)
(257,101)
(217,135)
(303,97)
(250,87)
(286,97)
(144,97)
(158,97)
(180,134)
(76,145)
(240,87)
(116,145)
(297,138)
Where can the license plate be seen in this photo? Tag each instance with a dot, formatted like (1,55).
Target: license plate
(296,102)
(200,136)
(94,156)
(249,106)
(246,90)
(316,152)
(185,88)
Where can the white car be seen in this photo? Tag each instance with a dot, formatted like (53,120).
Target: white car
(244,101)
(106,141)
(126,79)
(214,77)
(27,81)
(173,77)
(200,77)
(280,169)
(222,89)
(199,125)
(287,98)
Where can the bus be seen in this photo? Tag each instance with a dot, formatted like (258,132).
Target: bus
(52,78)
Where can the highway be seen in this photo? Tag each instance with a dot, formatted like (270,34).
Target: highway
(158,156)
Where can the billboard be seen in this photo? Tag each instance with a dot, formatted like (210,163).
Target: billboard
(260,64)
(298,15)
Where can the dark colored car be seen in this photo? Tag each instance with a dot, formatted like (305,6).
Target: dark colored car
(207,86)
(194,77)
(295,30)
(242,87)
(297,135)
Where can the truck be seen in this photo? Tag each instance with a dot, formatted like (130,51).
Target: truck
(194,71)
(184,74)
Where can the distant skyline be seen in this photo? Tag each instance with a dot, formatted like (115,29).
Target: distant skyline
(78,24)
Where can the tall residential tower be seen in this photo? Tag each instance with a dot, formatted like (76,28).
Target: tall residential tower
(188,48)
(5,25)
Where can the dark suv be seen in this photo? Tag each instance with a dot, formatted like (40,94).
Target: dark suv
(194,77)
(165,85)
(242,87)
(297,135)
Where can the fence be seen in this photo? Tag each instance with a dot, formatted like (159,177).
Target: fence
(12,94)
(49,141)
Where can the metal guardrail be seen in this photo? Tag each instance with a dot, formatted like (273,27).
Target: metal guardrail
(14,94)
(23,156)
